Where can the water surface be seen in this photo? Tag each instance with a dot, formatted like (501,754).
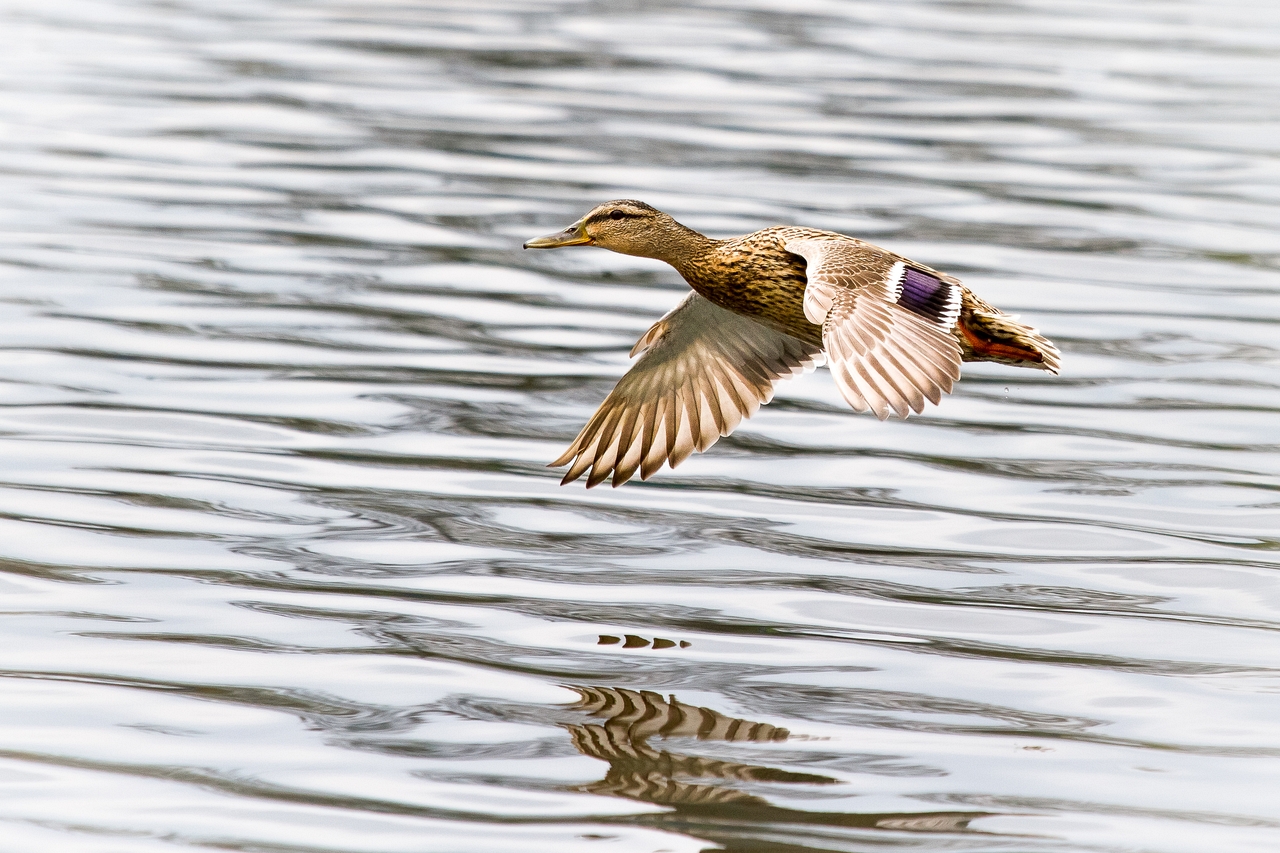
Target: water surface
(283,569)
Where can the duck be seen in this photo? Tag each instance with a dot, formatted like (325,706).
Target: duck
(766,307)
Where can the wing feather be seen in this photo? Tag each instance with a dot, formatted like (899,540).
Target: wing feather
(702,370)
(884,357)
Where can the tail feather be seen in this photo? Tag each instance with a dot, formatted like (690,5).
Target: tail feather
(986,334)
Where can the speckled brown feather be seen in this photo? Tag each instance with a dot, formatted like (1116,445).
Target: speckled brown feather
(988,334)
(755,276)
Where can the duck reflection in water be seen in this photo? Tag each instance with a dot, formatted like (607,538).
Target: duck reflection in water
(706,787)
(640,772)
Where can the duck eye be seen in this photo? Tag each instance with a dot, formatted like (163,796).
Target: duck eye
(617,214)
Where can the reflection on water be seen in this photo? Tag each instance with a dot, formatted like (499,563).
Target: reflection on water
(283,568)
(716,812)
(638,771)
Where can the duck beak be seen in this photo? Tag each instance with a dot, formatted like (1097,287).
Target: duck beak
(574,235)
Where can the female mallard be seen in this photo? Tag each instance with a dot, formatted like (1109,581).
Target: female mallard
(766,307)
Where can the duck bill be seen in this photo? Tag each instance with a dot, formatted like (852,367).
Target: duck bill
(574,235)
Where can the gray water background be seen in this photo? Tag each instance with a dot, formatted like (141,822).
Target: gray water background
(283,569)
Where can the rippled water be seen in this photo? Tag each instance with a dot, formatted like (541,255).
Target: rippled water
(284,570)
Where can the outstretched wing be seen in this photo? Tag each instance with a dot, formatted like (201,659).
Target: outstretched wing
(886,327)
(703,369)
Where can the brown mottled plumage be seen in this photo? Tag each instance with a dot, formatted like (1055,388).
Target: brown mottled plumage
(768,306)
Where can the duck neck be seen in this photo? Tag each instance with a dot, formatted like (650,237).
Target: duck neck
(681,247)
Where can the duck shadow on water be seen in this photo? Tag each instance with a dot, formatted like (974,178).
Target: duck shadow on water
(708,797)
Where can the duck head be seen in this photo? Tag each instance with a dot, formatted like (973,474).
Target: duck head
(623,225)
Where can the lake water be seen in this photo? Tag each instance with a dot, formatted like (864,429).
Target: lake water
(283,569)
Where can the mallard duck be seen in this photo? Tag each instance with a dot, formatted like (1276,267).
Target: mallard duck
(768,306)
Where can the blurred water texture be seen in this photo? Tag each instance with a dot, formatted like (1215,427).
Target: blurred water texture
(283,569)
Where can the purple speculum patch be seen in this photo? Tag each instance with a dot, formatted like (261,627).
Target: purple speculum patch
(927,296)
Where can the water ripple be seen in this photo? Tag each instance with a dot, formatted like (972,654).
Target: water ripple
(283,565)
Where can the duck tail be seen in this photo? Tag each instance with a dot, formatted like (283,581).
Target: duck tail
(986,334)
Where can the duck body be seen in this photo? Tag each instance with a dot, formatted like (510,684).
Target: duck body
(757,277)
(754,276)
(769,305)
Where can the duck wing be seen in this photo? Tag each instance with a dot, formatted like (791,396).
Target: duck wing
(886,326)
(702,369)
